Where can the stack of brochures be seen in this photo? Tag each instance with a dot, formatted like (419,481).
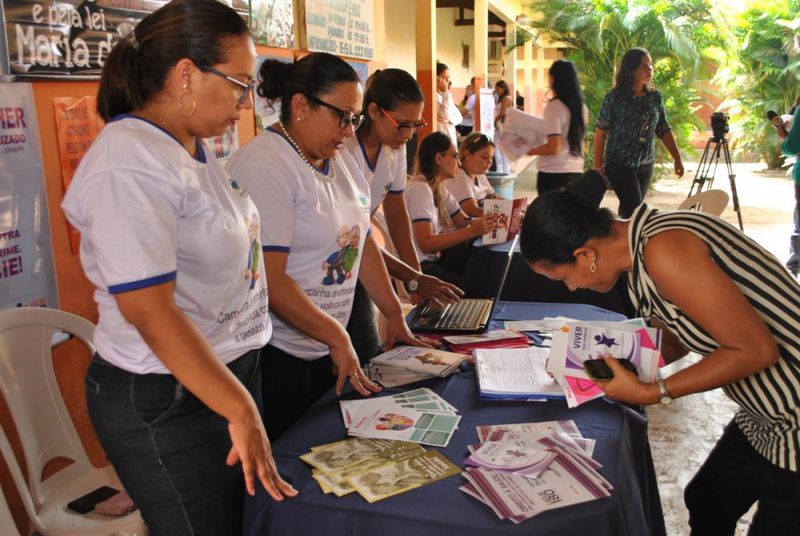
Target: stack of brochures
(522,470)
(515,374)
(498,338)
(576,342)
(408,364)
(375,468)
(418,416)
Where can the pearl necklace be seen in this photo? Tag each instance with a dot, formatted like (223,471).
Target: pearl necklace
(330,177)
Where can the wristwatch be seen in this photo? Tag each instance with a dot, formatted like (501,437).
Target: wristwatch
(412,285)
(663,394)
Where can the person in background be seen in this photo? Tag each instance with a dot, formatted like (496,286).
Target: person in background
(315,235)
(447,114)
(470,187)
(519,101)
(713,291)
(565,115)
(791,146)
(466,108)
(166,238)
(392,107)
(631,117)
(442,232)
(504,103)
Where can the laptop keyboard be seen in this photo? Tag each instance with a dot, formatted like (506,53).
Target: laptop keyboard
(464,314)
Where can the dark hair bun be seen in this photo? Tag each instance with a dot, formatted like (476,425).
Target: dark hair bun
(589,189)
(273,74)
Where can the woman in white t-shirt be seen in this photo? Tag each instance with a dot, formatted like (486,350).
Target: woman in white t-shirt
(442,232)
(315,209)
(392,107)
(565,115)
(470,186)
(171,244)
(447,114)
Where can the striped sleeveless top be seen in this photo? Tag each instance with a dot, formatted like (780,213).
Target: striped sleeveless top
(769,400)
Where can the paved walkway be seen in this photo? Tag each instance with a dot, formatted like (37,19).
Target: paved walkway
(682,434)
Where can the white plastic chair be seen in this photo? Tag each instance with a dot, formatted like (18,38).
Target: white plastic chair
(6,519)
(710,201)
(46,431)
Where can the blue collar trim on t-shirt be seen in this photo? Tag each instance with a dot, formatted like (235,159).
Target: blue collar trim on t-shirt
(326,166)
(366,157)
(201,154)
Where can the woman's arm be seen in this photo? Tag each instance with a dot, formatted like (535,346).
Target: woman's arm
(671,348)
(399,225)
(505,104)
(669,142)
(470,207)
(682,269)
(288,301)
(552,146)
(185,352)
(599,148)
(429,242)
(430,288)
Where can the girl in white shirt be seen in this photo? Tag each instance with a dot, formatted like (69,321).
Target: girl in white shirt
(447,114)
(470,186)
(442,232)
(315,235)
(167,239)
(561,159)
(392,107)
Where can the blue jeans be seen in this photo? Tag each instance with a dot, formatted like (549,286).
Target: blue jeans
(169,448)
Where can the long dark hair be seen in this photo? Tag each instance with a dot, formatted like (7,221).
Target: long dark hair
(314,76)
(388,89)
(440,68)
(567,89)
(560,221)
(136,68)
(425,167)
(631,61)
(503,85)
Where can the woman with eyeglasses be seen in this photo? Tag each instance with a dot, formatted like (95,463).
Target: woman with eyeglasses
(392,107)
(631,117)
(167,238)
(315,209)
(470,186)
(443,233)
(565,115)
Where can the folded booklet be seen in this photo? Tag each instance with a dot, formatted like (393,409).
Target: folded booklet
(418,359)
(515,373)
(509,219)
(498,338)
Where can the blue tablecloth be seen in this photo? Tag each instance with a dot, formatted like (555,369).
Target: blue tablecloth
(485,266)
(634,507)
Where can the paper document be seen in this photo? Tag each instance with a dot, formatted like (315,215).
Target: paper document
(515,373)
(520,133)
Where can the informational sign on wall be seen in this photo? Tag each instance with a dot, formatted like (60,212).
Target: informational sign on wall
(27,273)
(272,22)
(487,111)
(341,27)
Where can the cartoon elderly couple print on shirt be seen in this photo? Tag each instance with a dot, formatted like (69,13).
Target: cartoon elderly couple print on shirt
(342,261)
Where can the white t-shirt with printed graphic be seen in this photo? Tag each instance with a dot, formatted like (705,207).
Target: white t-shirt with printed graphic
(421,207)
(462,187)
(150,213)
(556,121)
(321,225)
(388,177)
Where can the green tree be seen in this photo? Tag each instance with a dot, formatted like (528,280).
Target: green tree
(765,75)
(682,37)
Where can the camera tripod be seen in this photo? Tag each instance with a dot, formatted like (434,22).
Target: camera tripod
(707,169)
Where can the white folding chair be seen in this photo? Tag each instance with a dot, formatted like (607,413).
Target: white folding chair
(6,519)
(710,201)
(46,431)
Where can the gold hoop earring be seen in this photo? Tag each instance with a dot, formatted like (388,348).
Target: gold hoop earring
(593,267)
(183,112)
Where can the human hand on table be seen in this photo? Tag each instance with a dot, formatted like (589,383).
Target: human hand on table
(439,292)
(397,332)
(347,367)
(626,386)
(252,448)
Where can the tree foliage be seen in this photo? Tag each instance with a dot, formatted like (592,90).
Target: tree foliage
(682,37)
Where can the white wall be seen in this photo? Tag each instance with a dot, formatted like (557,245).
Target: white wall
(400,36)
(448,46)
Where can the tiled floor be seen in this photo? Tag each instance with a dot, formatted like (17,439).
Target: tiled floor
(682,434)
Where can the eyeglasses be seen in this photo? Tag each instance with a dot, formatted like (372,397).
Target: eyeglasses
(402,125)
(246,88)
(345,118)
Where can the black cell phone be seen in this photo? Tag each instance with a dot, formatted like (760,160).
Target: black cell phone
(85,503)
(599,371)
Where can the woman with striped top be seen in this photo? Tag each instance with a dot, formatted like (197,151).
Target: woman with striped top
(713,291)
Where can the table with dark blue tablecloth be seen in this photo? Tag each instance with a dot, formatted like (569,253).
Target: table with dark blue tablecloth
(440,508)
(485,267)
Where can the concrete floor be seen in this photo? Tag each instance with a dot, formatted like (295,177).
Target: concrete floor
(682,434)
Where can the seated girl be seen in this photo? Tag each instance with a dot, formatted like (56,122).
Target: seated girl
(470,186)
(442,232)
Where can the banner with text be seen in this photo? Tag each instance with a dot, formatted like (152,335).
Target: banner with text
(27,273)
(341,27)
